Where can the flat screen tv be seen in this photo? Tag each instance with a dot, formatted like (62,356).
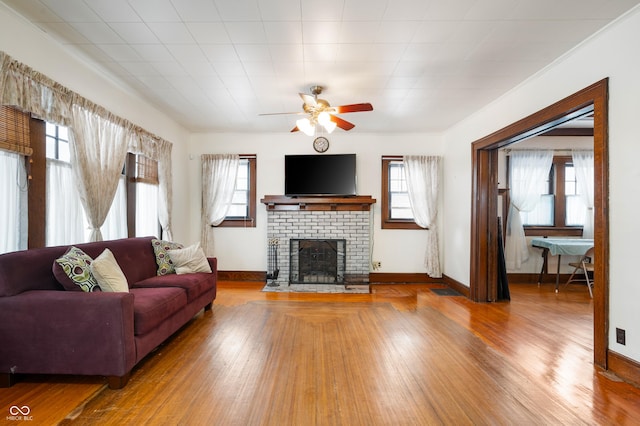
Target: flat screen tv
(320,175)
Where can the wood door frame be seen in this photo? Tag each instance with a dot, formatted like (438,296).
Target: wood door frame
(484,208)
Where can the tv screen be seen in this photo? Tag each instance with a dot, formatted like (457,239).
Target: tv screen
(317,175)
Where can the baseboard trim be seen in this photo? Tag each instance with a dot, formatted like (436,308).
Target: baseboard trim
(242,276)
(530,278)
(401,278)
(623,367)
(457,286)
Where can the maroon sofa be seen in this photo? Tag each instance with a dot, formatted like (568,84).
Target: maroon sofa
(47,330)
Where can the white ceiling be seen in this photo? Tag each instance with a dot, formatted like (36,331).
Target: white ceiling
(214,65)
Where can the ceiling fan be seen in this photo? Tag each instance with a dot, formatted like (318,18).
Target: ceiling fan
(319,111)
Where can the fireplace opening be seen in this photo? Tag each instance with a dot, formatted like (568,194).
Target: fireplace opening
(317,261)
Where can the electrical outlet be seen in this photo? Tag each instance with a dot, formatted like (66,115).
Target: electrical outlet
(377,265)
(621,337)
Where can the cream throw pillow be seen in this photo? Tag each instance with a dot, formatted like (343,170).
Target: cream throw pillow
(107,272)
(189,259)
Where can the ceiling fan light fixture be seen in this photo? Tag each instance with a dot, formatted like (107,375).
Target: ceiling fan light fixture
(306,127)
(329,126)
(324,118)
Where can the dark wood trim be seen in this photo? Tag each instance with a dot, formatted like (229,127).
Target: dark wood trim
(386,222)
(282,202)
(624,367)
(551,231)
(401,278)
(248,222)
(242,276)
(532,278)
(457,286)
(37,179)
(131,194)
(570,131)
(591,99)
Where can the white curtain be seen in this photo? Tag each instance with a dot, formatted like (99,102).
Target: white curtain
(66,223)
(32,91)
(115,224)
(422,175)
(66,219)
(98,152)
(165,192)
(583,165)
(527,169)
(219,173)
(146,209)
(13,186)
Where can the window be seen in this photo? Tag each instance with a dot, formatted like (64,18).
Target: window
(58,142)
(242,211)
(66,222)
(560,208)
(143,173)
(396,208)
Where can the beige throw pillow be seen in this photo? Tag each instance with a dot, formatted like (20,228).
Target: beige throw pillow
(189,259)
(108,273)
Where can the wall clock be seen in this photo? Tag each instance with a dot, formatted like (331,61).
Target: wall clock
(321,144)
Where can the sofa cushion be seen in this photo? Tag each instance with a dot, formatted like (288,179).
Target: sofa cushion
(73,271)
(189,260)
(152,306)
(160,248)
(194,284)
(108,273)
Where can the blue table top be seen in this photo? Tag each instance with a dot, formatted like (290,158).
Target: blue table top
(560,246)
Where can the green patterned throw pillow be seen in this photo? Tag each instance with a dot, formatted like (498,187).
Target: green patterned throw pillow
(76,265)
(160,248)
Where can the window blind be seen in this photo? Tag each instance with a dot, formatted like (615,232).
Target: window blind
(146,170)
(14,130)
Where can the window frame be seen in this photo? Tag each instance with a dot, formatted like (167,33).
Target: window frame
(250,220)
(387,222)
(557,183)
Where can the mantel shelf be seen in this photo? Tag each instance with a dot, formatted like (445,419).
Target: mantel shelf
(282,202)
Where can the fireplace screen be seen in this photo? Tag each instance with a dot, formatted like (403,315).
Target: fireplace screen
(317,261)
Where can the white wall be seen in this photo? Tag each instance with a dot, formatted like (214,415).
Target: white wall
(36,49)
(612,53)
(245,249)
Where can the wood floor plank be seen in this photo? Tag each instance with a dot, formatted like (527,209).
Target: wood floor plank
(400,355)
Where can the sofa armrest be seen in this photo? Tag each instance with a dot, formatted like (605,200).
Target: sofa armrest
(67,332)
(213,263)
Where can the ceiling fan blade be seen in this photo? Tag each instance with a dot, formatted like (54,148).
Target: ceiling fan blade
(353,108)
(295,129)
(308,99)
(343,124)
(283,113)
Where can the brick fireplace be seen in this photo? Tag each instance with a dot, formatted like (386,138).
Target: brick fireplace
(317,219)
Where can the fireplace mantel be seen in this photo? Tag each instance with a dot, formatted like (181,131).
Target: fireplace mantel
(282,202)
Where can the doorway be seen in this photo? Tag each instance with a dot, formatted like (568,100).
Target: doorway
(484,206)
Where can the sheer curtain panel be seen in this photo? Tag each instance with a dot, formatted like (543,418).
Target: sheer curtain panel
(219,173)
(146,209)
(583,164)
(66,223)
(527,169)
(423,182)
(44,98)
(13,185)
(98,152)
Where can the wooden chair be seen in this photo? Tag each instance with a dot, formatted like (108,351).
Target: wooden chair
(585,264)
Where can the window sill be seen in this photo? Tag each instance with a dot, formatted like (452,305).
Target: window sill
(237,223)
(552,231)
(400,224)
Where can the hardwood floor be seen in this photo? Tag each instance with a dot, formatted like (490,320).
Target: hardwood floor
(400,355)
